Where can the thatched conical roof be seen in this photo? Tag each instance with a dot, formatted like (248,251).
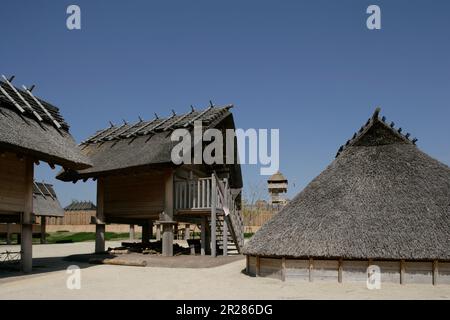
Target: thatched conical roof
(381,198)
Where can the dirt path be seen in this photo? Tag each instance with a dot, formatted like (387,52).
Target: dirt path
(222,282)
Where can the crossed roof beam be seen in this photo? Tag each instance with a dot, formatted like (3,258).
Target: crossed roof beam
(22,104)
(148,127)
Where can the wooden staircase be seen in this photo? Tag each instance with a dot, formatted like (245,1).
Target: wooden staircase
(213,196)
(232,248)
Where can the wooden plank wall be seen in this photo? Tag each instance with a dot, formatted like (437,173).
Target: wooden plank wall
(134,195)
(352,270)
(12,183)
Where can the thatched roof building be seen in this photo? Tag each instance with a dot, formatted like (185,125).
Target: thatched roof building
(381,198)
(31,130)
(45,201)
(139,184)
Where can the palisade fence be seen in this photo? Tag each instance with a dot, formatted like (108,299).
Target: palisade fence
(255,218)
(72,218)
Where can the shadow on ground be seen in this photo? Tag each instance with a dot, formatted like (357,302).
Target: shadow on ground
(181,261)
(40,266)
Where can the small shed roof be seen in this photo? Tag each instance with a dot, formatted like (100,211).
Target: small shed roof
(33,127)
(81,206)
(45,201)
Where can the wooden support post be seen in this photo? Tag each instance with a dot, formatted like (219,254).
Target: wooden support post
(26,244)
(283,269)
(168,223)
(213,215)
(145,233)
(132,233)
(175,231)
(435,272)
(158,231)
(43,231)
(311,270)
(258,266)
(100,215)
(247,264)
(225,236)
(167,240)
(187,231)
(150,229)
(402,271)
(8,233)
(203,236)
(340,271)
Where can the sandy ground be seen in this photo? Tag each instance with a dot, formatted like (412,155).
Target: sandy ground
(223,282)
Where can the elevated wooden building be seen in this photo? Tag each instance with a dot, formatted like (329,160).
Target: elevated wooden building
(31,130)
(381,202)
(138,184)
(277,185)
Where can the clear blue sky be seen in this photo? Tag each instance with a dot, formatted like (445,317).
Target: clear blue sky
(310,68)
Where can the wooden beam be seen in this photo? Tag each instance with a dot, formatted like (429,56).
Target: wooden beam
(8,233)
(283,269)
(247,264)
(168,223)
(100,216)
(225,236)
(26,244)
(402,271)
(132,233)
(43,230)
(187,231)
(258,266)
(203,236)
(213,215)
(435,272)
(145,233)
(158,231)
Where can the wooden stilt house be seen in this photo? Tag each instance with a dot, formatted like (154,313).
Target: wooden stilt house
(31,130)
(137,182)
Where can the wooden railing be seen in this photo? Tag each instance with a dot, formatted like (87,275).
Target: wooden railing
(194,194)
(211,193)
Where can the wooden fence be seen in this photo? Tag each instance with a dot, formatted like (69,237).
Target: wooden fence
(255,218)
(73,218)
